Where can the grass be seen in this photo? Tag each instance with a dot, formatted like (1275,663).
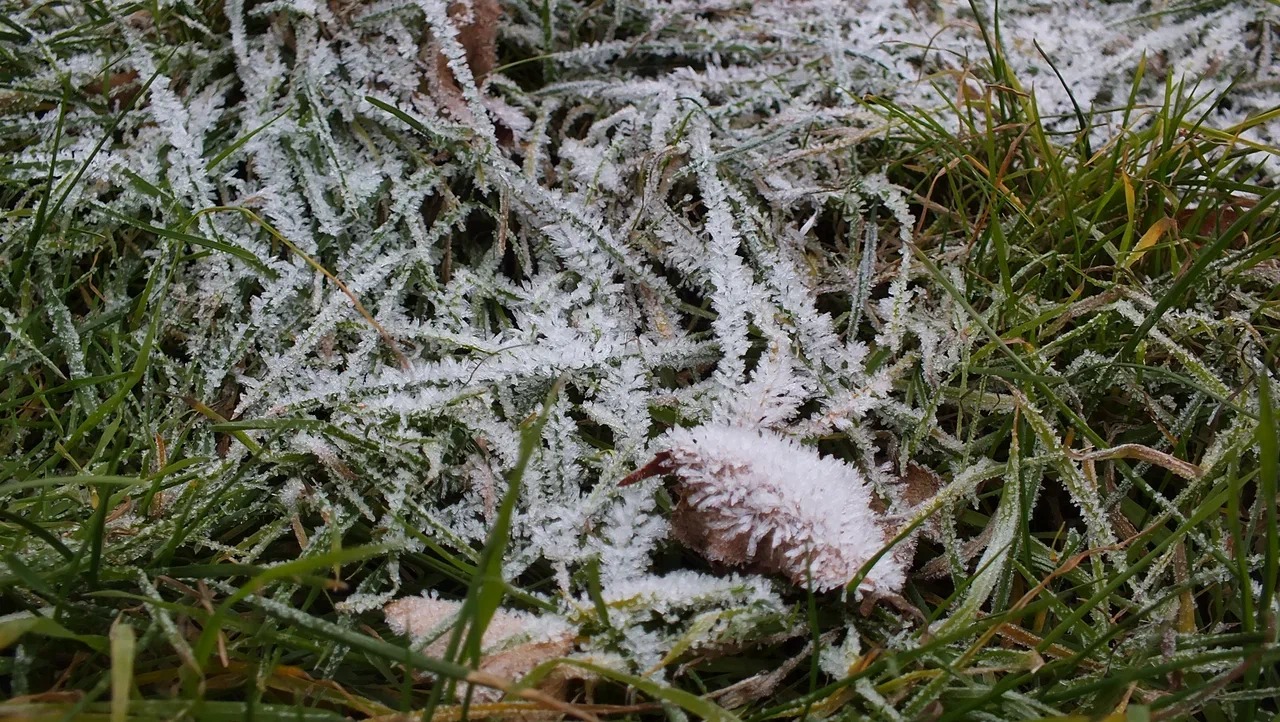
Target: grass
(1124,328)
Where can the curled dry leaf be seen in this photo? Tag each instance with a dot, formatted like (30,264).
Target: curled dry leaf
(512,644)
(756,499)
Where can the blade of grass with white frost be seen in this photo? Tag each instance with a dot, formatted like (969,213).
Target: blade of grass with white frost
(990,568)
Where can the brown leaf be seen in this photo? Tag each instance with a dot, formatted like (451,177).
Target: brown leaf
(478,33)
(1215,220)
(418,617)
(920,484)
(477,23)
(120,88)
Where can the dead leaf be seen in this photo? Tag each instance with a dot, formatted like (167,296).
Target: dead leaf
(477,24)
(505,655)
(756,499)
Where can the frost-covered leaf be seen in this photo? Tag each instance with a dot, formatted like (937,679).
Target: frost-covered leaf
(756,499)
(513,643)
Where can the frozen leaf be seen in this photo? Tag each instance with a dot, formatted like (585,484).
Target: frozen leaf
(477,27)
(512,644)
(477,22)
(757,499)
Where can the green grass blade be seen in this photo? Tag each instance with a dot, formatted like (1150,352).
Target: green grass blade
(226,152)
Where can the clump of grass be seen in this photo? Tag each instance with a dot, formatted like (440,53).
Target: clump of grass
(1104,544)
(1127,343)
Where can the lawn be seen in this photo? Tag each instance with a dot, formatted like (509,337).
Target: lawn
(679,359)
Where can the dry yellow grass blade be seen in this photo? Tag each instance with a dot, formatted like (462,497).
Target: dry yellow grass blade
(1185,469)
(1149,239)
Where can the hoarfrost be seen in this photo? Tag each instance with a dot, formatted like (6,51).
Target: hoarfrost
(676,222)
